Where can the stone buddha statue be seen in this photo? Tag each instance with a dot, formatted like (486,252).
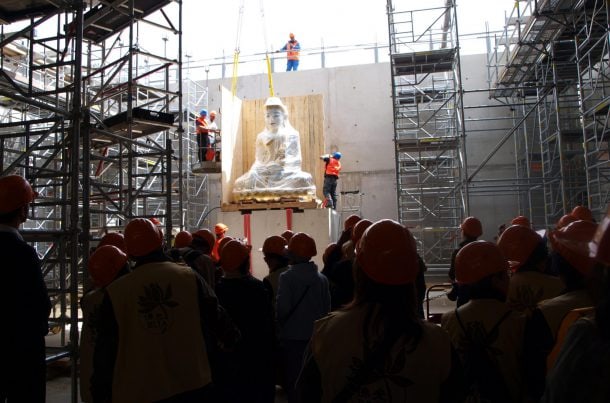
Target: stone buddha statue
(276,172)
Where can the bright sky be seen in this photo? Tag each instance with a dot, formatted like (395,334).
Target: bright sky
(211,30)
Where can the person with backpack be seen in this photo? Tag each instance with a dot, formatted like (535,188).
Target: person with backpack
(486,333)
(377,348)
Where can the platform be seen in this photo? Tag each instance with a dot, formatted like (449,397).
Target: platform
(284,204)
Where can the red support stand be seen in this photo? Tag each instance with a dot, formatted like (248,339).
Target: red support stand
(289,219)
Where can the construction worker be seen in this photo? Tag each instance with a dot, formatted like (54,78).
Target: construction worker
(486,323)
(570,258)
(245,374)
(580,373)
(471,229)
(527,257)
(292,48)
(220,230)
(302,298)
(153,325)
(331,176)
(105,264)
(214,134)
(377,348)
(203,141)
(24,296)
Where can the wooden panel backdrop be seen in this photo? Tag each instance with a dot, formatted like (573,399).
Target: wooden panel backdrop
(306,115)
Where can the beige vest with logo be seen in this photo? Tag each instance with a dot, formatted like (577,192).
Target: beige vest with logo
(337,344)
(90,305)
(161,347)
(528,288)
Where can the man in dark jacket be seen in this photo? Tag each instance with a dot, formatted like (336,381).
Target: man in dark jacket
(24,294)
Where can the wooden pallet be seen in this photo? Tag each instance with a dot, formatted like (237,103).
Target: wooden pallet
(277,205)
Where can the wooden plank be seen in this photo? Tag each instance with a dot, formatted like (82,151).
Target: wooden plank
(243,206)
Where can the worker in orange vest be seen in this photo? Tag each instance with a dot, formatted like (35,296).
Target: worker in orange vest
(292,49)
(203,141)
(220,230)
(331,176)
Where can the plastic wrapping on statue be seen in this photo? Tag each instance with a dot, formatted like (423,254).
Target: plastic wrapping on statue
(276,172)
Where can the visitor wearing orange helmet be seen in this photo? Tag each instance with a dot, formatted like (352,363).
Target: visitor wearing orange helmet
(527,256)
(246,374)
(114,239)
(106,264)
(220,230)
(302,298)
(197,256)
(579,371)
(24,295)
(274,254)
(471,228)
(481,267)
(380,330)
(162,312)
(570,259)
(521,220)
(582,213)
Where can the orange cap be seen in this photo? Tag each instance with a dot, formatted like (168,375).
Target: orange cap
(478,260)
(220,228)
(15,192)
(582,213)
(115,239)
(302,245)
(565,220)
(387,253)
(359,229)
(183,239)
(517,244)
(275,244)
(233,255)
(521,220)
(599,247)
(471,226)
(142,237)
(206,235)
(329,249)
(105,263)
(155,221)
(350,222)
(287,235)
(572,243)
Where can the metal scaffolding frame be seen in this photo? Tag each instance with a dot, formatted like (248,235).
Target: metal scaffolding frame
(428,125)
(91,118)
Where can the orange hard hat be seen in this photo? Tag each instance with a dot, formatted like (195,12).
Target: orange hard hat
(206,235)
(387,253)
(329,249)
(220,228)
(472,227)
(521,220)
(183,239)
(115,239)
(565,220)
(275,245)
(359,229)
(350,222)
(572,243)
(15,192)
(287,235)
(478,260)
(582,213)
(599,247)
(517,244)
(155,221)
(222,243)
(142,237)
(302,245)
(233,255)
(105,263)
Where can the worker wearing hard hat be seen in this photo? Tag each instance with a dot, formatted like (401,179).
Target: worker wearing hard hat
(214,135)
(292,48)
(220,230)
(24,296)
(331,176)
(203,141)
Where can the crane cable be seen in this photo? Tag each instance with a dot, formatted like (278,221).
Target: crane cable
(237,42)
(267,58)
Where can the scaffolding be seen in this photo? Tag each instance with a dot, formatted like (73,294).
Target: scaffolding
(91,117)
(428,125)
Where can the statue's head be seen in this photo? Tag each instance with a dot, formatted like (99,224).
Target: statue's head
(275,114)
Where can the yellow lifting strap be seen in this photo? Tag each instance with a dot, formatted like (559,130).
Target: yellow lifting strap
(267,58)
(240,20)
(271,90)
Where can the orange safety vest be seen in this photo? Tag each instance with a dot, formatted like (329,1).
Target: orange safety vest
(292,54)
(202,125)
(333,167)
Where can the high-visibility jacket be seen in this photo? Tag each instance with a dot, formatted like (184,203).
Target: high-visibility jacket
(202,125)
(333,167)
(292,49)
(161,349)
